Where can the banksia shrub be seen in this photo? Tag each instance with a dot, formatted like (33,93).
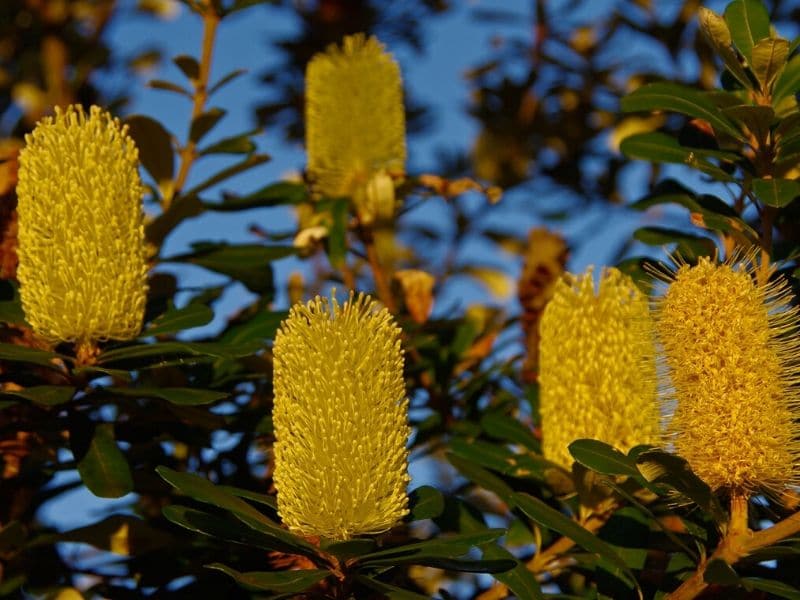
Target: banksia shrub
(82,267)
(340,419)
(597,367)
(732,351)
(355,125)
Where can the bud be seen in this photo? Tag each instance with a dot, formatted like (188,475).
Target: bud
(82,267)
(732,353)
(597,366)
(340,416)
(355,125)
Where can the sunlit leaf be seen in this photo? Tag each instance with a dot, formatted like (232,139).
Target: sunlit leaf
(776,192)
(748,21)
(681,99)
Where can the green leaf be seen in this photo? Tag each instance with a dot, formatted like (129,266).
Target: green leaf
(337,236)
(221,527)
(757,119)
(180,209)
(44,395)
(260,328)
(180,319)
(24,354)
(776,192)
(464,565)
(553,519)
(163,349)
(247,263)
(168,86)
(507,428)
(776,588)
(481,477)
(441,547)
(660,147)
(769,59)
(602,458)
(203,490)
(349,548)
(205,122)
(253,160)
(688,246)
(389,592)
(238,144)
(275,194)
(155,147)
(188,66)
(426,502)
(788,83)
(748,21)
(681,99)
(520,580)
(10,304)
(175,395)
(226,80)
(659,467)
(720,572)
(274,581)
(103,468)
(706,211)
(264,499)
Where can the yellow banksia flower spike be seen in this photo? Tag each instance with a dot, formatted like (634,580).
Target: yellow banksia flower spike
(82,263)
(355,125)
(732,353)
(341,419)
(597,366)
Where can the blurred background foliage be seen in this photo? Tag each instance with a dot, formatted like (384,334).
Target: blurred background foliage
(550,129)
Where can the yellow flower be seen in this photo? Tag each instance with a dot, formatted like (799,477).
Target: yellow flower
(82,269)
(355,125)
(597,367)
(340,419)
(731,348)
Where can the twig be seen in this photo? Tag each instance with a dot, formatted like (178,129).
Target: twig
(378,274)
(188,153)
(735,544)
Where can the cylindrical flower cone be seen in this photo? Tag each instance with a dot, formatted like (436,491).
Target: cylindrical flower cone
(597,369)
(355,125)
(341,419)
(732,354)
(82,259)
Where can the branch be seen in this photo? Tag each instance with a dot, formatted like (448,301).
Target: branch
(734,545)
(188,153)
